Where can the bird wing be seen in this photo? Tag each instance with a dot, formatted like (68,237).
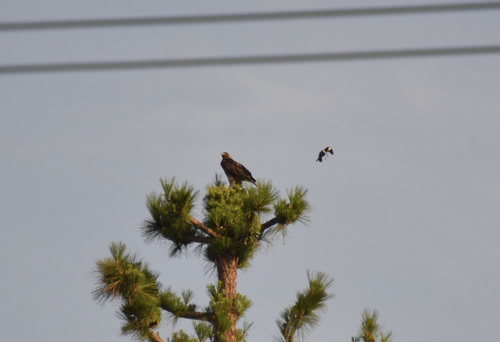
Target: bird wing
(320,156)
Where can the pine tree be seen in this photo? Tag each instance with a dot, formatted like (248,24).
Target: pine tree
(237,221)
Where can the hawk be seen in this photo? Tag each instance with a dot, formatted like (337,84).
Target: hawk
(235,172)
(323,152)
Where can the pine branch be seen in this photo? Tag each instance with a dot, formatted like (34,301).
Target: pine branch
(303,315)
(199,316)
(193,315)
(268,224)
(170,217)
(180,307)
(295,210)
(127,279)
(200,226)
(154,337)
(370,329)
(288,212)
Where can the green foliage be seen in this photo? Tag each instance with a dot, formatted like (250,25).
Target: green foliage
(241,334)
(177,306)
(181,336)
(370,329)
(293,210)
(170,213)
(223,307)
(124,277)
(233,214)
(226,214)
(236,221)
(260,198)
(303,315)
(203,332)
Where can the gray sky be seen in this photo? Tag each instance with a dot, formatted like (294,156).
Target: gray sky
(405,214)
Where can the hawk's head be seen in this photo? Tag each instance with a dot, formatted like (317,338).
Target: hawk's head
(225,155)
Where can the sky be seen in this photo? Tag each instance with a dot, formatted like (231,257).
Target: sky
(404,215)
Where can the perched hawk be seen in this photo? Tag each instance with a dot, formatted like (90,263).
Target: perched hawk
(235,172)
(323,153)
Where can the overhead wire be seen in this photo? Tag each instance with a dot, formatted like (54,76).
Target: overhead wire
(245,17)
(246,60)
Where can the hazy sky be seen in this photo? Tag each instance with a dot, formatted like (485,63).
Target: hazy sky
(405,214)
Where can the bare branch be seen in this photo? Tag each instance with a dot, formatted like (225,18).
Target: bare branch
(198,225)
(268,224)
(156,337)
(199,316)
(194,315)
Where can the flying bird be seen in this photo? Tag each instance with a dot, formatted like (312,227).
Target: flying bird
(235,172)
(323,152)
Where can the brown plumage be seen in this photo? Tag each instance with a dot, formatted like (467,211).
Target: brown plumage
(323,152)
(235,172)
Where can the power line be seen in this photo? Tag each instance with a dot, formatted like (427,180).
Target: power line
(248,60)
(239,17)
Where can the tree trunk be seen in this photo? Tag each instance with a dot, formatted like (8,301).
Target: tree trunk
(227,270)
